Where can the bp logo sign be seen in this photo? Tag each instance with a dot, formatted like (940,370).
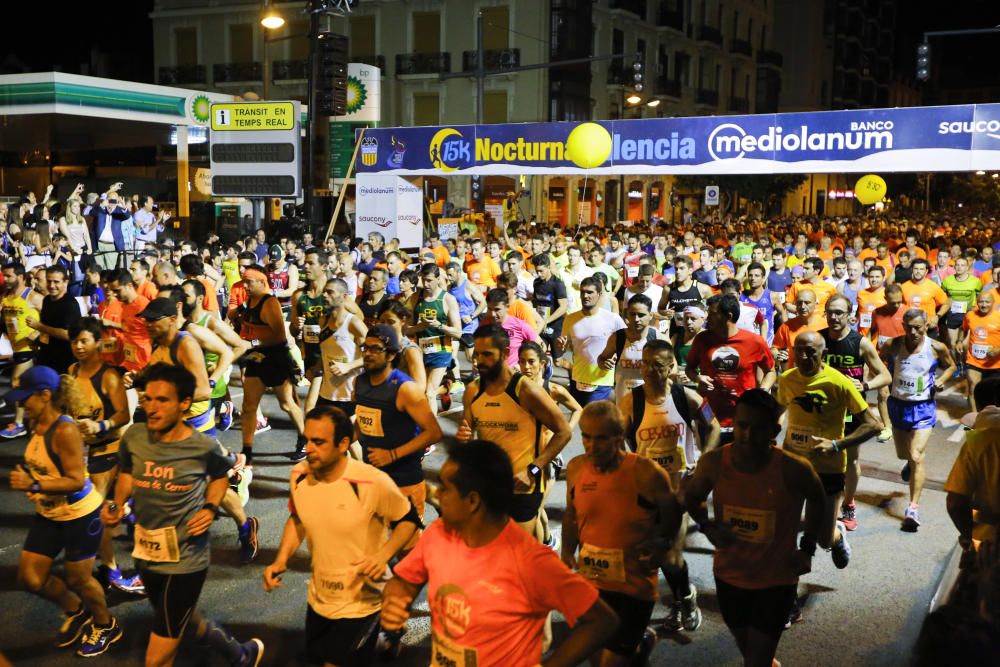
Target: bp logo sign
(199,108)
(356,95)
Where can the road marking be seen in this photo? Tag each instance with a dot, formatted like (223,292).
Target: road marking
(958,435)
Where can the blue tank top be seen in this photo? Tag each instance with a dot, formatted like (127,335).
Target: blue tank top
(779,282)
(766,308)
(382,426)
(466,306)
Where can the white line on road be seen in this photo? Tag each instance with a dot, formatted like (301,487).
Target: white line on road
(958,434)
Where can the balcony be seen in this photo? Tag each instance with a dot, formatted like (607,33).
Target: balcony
(637,7)
(707,98)
(494,60)
(172,76)
(668,87)
(741,47)
(767,58)
(374,61)
(707,33)
(739,105)
(236,72)
(423,63)
(289,70)
(669,18)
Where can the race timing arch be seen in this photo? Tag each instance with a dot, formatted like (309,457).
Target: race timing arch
(943,138)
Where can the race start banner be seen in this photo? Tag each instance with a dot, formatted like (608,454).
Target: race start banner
(945,138)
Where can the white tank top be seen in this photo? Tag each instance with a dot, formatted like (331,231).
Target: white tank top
(338,346)
(664,437)
(628,370)
(913,373)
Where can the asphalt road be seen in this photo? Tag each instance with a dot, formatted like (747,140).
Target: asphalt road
(868,614)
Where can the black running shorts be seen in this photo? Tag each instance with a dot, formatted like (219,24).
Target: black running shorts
(174,598)
(633,617)
(345,642)
(764,610)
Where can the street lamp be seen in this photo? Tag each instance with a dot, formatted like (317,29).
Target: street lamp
(633,99)
(271,18)
(655,102)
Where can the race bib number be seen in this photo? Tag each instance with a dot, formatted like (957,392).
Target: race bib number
(310,333)
(156,546)
(369,421)
(131,353)
(783,296)
(672,462)
(980,351)
(446,653)
(908,383)
(432,344)
(959,307)
(632,271)
(108,345)
(866,320)
(749,525)
(798,442)
(602,564)
(336,586)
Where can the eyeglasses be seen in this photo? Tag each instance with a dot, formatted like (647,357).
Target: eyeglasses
(377,349)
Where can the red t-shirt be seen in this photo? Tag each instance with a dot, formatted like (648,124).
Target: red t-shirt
(732,365)
(492,600)
(136,343)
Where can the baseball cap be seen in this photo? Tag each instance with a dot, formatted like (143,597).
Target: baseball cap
(275,252)
(32,381)
(158,309)
(387,335)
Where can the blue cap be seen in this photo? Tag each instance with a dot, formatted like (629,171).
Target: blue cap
(32,381)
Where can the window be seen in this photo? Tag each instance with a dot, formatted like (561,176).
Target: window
(426,32)
(763,37)
(363,36)
(186,46)
(495,106)
(617,41)
(750,30)
(662,69)
(496,27)
(701,72)
(736,25)
(241,43)
(426,109)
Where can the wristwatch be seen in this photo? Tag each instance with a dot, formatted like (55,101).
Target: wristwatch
(534,470)
(211,384)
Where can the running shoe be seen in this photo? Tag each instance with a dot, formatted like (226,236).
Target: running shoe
(13,430)
(690,613)
(848,516)
(243,485)
(445,402)
(98,640)
(73,626)
(224,419)
(263,426)
(645,648)
(457,387)
(885,435)
(251,653)
(911,520)
(248,540)
(390,644)
(795,615)
(905,472)
(840,552)
(132,585)
(558,467)
(673,622)
(297,455)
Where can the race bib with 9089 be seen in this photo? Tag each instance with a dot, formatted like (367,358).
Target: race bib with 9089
(748,524)
(369,421)
(156,545)
(602,564)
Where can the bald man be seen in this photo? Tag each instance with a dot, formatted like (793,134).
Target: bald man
(809,318)
(165,275)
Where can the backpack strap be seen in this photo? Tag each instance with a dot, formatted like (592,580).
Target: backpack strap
(679,397)
(638,412)
(619,342)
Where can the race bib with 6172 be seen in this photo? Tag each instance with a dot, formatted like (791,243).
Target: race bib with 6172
(602,564)
(156,545)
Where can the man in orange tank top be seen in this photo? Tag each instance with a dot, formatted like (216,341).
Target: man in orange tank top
(621,514)
(758,493)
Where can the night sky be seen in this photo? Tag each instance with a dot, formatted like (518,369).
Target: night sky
(122,30)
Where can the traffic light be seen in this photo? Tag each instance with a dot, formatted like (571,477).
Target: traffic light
(331,74)
(923,62)
(637,74)
(476,192)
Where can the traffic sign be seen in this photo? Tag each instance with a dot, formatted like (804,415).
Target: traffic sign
(255,149)
(711,195)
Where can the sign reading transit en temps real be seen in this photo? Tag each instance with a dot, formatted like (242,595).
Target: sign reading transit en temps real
(255,149)
(946,138)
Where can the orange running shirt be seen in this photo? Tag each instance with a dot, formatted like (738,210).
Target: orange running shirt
(868,301)
(985,334)
(927,296)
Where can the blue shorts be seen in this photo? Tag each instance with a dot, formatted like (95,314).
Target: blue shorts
(78,537)
(437,360)
(911,415)
(585,397)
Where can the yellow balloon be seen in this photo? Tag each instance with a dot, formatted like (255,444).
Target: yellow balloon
(870,189)
(588,145)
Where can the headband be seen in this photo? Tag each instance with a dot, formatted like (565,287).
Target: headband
(696,311)
(254,274)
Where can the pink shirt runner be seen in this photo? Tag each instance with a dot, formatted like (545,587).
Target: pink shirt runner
(488,604)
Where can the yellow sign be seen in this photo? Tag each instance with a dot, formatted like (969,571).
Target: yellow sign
(254,116)
(870,189)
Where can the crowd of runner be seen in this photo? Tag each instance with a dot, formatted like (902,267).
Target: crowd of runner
(720,373)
